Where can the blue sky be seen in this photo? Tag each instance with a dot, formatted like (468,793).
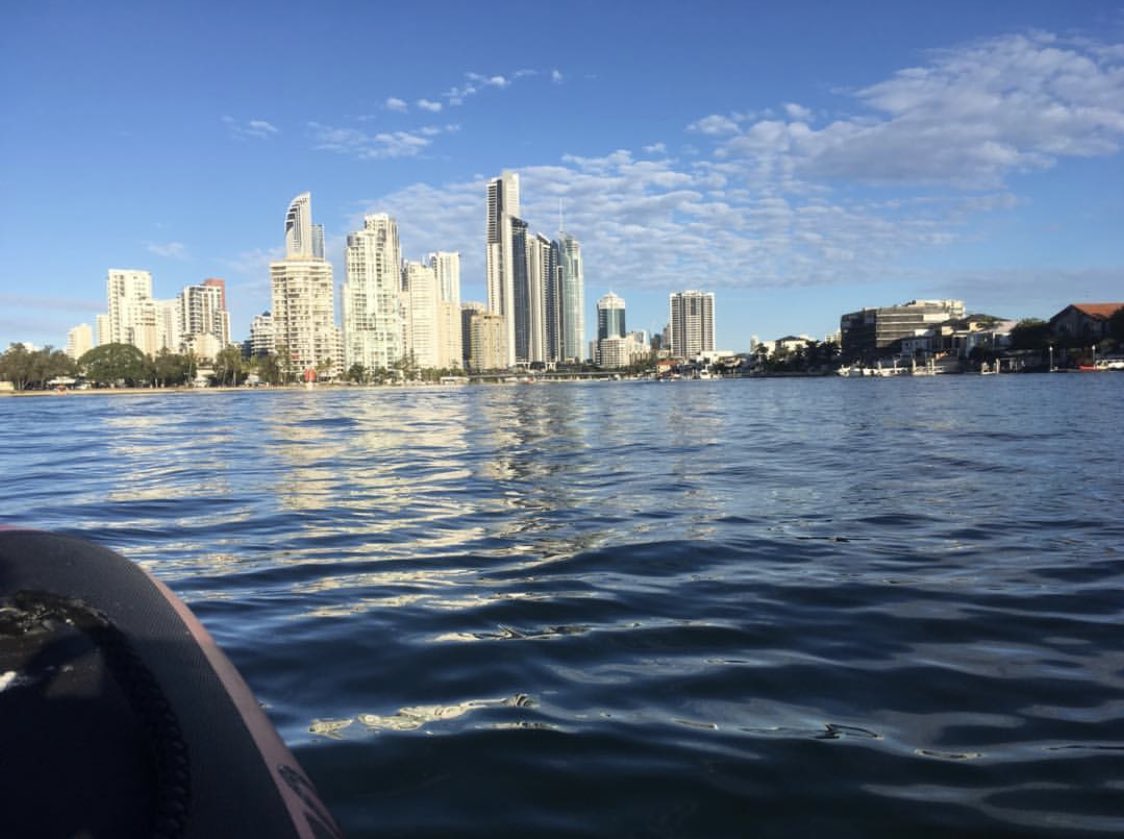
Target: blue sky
(799,159)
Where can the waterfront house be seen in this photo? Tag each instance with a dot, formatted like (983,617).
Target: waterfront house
(1083,322)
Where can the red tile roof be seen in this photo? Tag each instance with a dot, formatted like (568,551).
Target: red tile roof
(1098,310)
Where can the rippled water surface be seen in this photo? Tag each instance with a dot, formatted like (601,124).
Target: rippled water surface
(775,608)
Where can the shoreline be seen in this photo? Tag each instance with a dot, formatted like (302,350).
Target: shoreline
(165,391)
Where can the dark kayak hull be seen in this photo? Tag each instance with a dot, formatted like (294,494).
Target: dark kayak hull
(120,716)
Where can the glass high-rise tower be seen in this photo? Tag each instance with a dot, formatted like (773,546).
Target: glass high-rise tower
(610,317)
(571,299)
(501,260)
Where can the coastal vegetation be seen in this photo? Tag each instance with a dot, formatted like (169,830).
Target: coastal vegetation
(33,369)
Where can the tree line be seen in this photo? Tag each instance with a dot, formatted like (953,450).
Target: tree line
(111,365)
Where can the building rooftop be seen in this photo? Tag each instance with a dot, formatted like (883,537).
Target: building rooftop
(1098,310)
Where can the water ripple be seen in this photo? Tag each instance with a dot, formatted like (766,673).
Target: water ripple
(709,609)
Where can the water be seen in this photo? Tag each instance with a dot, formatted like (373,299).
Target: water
(774,608)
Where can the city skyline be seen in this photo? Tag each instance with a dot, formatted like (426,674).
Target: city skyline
(799,169)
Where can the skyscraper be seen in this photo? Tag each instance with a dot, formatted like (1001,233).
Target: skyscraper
(133,316)
(610,326)
(261,335)
(518,314)
(202,322)
(420,324)
(610,317)
(487,341)
(571,298)
(468,311)
(298,227)
(318,241)
(692,323)
(304,296)
(540,277)
(447,268)
(500,257)
(372,316)
(79,341)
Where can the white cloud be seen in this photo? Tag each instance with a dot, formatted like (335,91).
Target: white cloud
(717,236)
(250,129)
(477,82)
(714,124)
(395,104)
(457,95)
(972,116)
(556,76)
(489,81)
(773,198)
(429,105)
(168,250)
(797,112)
(379,146)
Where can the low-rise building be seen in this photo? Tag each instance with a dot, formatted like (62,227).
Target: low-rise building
(1083,321)
(616,352)
(870,332)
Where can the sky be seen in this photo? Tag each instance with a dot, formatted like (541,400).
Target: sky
(799,159)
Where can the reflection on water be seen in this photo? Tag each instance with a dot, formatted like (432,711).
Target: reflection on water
(809,606)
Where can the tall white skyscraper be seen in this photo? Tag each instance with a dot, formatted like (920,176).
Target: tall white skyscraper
(692,323)
(372,320)
(201,310)
(540,277)
(419,305)
(168,332)
(304,296)
(571,298)
(127,292)
(79,341)
(501,260)
(298,228)
(447,267)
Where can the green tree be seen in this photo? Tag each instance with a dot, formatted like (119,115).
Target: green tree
(47,364)
(111,363)
(268,369)
(15,366)
(324,369)
(33,369)
(1030,334)
(229,367)
(356,373)
(171,369)
(285,364)
(405,366)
